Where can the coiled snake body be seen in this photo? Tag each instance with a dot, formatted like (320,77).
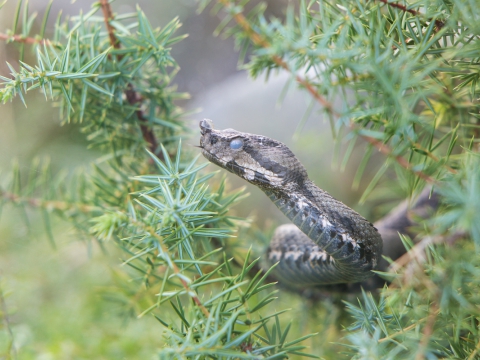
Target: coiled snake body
(329,243)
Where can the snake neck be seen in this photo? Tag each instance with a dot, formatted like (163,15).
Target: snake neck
(345,235)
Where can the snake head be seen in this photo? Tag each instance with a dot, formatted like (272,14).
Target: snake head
(260,160)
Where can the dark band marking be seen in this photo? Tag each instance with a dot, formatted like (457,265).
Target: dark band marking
(348,223)
(278,169)
(260,178)
(333,233)
(306,255)
(235,168)
(269,142)
(349,247)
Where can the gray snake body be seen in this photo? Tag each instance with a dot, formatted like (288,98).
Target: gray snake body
(329,243)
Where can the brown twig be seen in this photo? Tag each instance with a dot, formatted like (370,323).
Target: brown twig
(418,251)
(24,39)
(427,331)
(48,204)
(258,40)
(108,16)
(404,330)
(384,149)
(439,24)
(132,96)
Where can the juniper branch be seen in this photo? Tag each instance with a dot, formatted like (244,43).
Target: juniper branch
(260,41)
(132,96)
(192,293)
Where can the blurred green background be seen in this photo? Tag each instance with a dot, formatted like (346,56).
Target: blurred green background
(59,298)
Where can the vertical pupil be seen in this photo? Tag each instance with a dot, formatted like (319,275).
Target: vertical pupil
(236,144)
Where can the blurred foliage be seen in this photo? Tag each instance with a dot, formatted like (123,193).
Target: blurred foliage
(408,77)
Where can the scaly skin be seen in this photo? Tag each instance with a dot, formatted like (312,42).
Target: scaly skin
(330,243)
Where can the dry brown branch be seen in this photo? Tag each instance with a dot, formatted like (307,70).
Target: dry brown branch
(134,98)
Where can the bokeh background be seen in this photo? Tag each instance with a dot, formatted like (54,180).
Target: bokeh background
(48,290)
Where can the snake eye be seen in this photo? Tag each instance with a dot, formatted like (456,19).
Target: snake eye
(236,144)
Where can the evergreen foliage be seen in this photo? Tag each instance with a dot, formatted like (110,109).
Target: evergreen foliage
(408,77)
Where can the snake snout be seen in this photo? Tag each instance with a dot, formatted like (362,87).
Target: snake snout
(206,126)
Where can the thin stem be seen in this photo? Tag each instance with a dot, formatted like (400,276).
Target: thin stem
(133,97)
(49,204)
(439,24)
(417,252)
(384,149)
(475,351)
(24,39)
(6,320)
(108,16)
(404,330)
(427,331)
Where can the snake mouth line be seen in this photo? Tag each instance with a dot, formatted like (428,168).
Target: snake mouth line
(231,166)
(209,156)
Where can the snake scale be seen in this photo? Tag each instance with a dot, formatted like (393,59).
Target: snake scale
(328,243)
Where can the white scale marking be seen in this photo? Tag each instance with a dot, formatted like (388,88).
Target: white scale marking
(318,254)
(275,255)
(326,223)
(293,254)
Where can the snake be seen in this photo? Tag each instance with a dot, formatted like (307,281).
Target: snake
(327,242)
